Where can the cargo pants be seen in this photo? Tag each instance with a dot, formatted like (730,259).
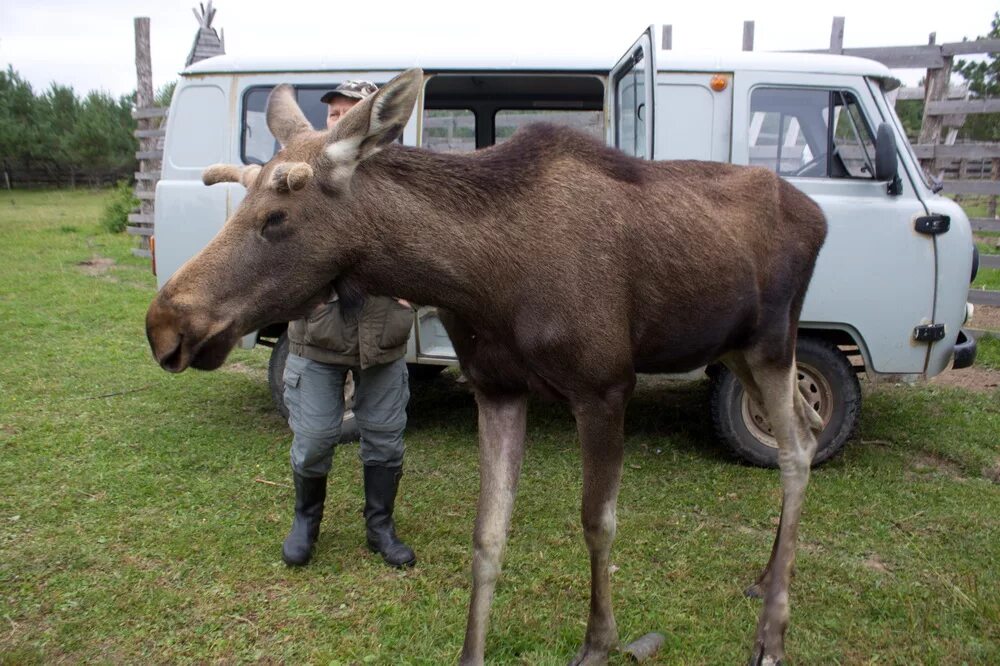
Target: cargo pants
(314,395)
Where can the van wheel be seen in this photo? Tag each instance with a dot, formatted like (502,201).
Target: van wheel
(275,380)
(827,380)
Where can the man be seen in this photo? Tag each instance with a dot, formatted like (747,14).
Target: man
(322,349)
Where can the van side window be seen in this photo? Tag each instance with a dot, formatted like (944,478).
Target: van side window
(449,130)
(810,133)
(508,121)
(630,103)
(258,144)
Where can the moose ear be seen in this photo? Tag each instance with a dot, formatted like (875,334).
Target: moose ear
(284,117)
(376,121)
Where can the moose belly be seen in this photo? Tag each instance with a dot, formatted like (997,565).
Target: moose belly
(685,341)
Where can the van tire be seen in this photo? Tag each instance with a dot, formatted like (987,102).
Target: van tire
(275,380)
(827,379)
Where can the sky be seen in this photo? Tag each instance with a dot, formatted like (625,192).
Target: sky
(90,45)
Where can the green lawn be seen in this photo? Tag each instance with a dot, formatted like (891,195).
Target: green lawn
(988,278)
(990,243)
(133,527)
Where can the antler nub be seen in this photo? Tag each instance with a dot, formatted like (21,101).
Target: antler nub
(230,173)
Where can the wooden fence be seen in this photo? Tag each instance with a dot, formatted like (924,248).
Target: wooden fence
(150,133)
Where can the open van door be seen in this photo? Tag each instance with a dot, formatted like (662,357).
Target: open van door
(630,98)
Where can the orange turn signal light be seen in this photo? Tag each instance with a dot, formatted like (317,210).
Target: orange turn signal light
(719,82)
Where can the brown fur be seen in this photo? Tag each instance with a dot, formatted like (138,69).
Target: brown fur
(561,266)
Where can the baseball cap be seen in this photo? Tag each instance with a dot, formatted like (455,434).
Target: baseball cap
(353,89)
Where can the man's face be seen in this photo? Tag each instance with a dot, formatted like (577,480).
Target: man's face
(336,109)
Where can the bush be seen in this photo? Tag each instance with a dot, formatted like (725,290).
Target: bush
(121,203)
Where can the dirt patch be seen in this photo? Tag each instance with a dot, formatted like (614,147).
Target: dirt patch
(986,318)
(982,380)
(993,473)
(875,563)
(242,369)
(96,265)
(928,464)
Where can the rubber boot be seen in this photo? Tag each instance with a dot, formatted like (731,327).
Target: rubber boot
(381,484)
(310,494)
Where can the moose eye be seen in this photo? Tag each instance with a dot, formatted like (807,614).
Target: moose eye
(273,227)
(274,219)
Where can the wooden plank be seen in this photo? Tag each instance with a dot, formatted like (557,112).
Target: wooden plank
(900,57)
(958,151)
(971,187)
(140,218)
(748,35)
(987,105)
(149,133)
(985,224)
(150,112)
(837,35)
(989,260)
(146,175)
(929,56)
(910,92)
(980,297)
(149,155)
(143,64)
(145,196)
(140,231)
(973,46)
(141,252)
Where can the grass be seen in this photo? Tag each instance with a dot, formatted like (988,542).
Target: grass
(989,242)
(988,352)
(133,527)
(988,278)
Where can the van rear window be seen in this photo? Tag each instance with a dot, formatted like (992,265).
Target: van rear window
(507,121)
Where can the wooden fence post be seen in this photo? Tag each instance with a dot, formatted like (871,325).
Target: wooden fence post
(149,132)
(143,100)
(837,35)
(935,90)
(748,35)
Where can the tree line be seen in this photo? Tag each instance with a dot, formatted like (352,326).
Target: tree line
(57,137)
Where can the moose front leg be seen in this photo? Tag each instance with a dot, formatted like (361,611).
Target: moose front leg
(501,450)
(601,428)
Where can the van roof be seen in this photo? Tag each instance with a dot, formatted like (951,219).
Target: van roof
(666,61)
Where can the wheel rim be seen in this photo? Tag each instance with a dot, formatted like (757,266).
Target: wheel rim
(811,384)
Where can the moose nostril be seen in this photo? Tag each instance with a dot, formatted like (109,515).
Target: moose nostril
(172,359)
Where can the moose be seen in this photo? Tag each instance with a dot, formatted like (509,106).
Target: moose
(562,267)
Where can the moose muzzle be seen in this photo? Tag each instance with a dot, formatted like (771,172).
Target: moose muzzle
(179,339)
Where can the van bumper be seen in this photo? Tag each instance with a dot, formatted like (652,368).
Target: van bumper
(965,351)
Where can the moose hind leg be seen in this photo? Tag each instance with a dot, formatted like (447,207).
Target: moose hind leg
(796,445)
(501,451)
(600,424)
(738,364)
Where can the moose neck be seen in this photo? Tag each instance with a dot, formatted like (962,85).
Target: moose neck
(439,229)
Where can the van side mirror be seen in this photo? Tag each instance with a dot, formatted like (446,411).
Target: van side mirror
(886,162)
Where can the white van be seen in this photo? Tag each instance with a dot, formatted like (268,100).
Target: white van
(888,297)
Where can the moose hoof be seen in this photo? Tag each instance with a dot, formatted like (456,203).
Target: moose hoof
(755,591)
(761,658)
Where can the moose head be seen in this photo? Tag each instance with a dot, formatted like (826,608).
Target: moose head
(302,222)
